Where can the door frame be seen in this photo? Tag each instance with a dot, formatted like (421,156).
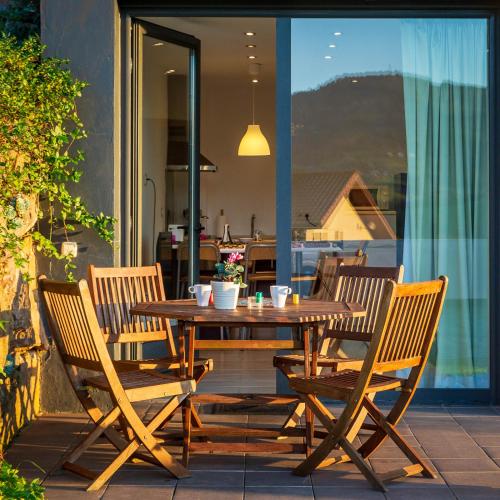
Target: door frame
(377,9)
(133,174)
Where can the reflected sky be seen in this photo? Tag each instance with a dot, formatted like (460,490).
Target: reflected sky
(365,46)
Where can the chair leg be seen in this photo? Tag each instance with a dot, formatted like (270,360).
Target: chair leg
(365,469)
(186,425)
(394,434)
(144,435)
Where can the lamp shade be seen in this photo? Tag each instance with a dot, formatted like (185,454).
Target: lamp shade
(254,143)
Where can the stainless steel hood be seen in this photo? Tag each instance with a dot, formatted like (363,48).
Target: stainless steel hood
(177,158)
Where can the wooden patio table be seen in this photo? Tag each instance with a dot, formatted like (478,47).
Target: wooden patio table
(308,316)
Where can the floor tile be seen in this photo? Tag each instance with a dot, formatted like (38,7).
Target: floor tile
(275,478)
(135,492)
(213,492)
(404,492)
(474,485)
(278,493)
(334,493)
(228,479)
(465,464)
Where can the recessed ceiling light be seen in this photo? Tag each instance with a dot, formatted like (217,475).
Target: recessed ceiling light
(169,71)
(158,44)
(332,45)
(354,81)
(252,57)
(250,33)
(328,57)
(338,33)
(254,80)
(251,46)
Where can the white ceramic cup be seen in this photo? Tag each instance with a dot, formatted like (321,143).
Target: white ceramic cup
(202,293)
(279,295)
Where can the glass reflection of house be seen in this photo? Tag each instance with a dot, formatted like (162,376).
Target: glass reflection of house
(337,206)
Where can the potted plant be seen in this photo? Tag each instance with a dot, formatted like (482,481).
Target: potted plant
(227,282)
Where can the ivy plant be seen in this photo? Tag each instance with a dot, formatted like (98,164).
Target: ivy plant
(39,131)
(13,486)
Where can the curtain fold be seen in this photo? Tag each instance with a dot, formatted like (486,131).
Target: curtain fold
(446,219)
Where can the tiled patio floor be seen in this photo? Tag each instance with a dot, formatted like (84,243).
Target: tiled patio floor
(463,444)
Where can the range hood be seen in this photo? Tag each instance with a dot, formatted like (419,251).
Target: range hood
(177,158)
(177,146)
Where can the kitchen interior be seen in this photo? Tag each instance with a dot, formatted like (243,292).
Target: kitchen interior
(236,191)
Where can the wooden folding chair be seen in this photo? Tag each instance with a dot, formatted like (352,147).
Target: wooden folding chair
(352,283)
(256,252)
(114,291)
(75,330)
(404,333)
(326,273)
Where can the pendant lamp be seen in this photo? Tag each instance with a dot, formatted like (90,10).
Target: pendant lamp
(254,142)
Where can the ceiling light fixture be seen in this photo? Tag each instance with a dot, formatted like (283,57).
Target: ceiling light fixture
(250,46)
(254,142)
(252,57)
(328,57)
(332,45)
(250,33)
(169,71)
(338,33)
(354,81)
(254,80)
(158,44)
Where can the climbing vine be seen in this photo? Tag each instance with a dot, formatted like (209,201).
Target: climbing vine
(39,132)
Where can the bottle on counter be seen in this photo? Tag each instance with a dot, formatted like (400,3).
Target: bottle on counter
(220,223)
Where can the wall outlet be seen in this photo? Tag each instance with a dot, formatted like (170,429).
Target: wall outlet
(69,248)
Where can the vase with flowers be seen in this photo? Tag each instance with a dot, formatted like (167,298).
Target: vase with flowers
(227,282)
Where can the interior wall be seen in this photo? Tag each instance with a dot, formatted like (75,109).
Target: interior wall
(242,186)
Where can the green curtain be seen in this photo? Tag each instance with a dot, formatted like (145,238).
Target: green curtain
(446,219)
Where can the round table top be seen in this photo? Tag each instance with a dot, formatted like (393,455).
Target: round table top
(306,312)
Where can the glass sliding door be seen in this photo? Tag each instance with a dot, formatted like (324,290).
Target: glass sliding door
(390,166)
(165,153)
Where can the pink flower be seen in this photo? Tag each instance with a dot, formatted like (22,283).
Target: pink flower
(234,257)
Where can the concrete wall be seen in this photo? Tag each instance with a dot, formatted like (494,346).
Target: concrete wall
(89,38)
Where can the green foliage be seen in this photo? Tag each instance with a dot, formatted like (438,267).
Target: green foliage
(13,486)
(230,269)
(21,18)
(39,127)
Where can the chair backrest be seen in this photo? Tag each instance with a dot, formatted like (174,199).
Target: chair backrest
(407,324)
(365,286)
(324,286)
(115,290)
(73,324)
(259,250)
(209,251)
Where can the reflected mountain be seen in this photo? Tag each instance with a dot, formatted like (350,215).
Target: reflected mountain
(355,122)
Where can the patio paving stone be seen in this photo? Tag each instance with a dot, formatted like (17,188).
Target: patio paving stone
(462,446)
(279,493)
(213,492)
(275,478)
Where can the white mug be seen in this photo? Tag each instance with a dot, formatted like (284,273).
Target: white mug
(279,295)
(202,293)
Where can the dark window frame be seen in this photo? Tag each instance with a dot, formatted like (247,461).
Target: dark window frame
(363,9)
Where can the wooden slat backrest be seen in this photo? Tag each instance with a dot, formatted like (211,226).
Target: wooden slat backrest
(324,287)
(73,324)
(365,286)
(115,290)
(410,324)
(260,251)
(209,251)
